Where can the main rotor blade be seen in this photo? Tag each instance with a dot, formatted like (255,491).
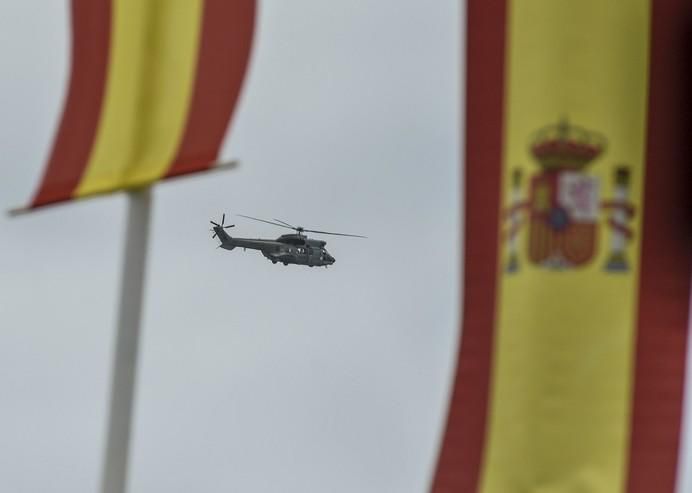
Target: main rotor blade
(328,233)
(215,224)
(284,222)
(223,219)
(263,221)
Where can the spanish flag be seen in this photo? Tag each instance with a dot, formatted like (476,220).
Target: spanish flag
(578,249)
(152,88)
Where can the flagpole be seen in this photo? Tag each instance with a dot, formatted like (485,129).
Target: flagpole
(124,373)
(124,377)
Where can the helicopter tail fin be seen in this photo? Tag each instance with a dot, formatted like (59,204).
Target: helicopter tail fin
(220,231)
(225,238)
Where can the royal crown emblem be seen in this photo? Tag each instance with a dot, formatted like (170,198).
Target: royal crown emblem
(564,205)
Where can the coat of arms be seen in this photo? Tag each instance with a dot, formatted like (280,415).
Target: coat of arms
(564,203)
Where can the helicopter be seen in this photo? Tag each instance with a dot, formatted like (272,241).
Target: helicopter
(287,249)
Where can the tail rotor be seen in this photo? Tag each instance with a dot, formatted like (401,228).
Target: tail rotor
(222,226)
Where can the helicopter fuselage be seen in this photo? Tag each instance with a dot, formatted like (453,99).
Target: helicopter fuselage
(286,249)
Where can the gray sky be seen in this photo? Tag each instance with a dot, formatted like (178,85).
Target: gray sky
(254,377)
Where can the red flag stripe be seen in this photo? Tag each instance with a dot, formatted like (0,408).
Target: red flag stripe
(460,460)
(227,30)
(91,32)
(666,258)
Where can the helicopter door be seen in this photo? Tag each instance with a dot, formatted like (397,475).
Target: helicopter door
(311,259)
(302,255)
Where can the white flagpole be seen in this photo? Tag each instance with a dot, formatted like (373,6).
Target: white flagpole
(114,479)
(124,377)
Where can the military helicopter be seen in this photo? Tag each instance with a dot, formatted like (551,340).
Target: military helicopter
(288,249)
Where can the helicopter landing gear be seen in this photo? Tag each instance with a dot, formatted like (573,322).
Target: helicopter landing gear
(285,263)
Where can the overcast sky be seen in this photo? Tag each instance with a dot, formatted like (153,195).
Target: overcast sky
(254,377)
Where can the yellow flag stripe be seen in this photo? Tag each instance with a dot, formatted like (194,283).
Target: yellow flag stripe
(562,385)
(148,91)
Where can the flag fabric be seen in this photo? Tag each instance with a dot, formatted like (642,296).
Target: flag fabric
(152,88)
(578,249)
